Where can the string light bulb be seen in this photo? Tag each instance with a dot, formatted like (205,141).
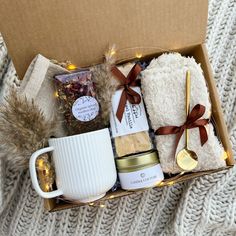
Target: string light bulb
(102,205)
(112,51)
(47,187)
(46,171)
(138,55)
(71,67)
(170,183)
(40,163)
(56,94)
(91,204)
(160,184)
(224,155)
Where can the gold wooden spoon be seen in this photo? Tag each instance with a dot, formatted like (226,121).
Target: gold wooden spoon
(186,159)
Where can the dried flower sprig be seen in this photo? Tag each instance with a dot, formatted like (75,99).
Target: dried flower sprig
(105,85)
(23,129)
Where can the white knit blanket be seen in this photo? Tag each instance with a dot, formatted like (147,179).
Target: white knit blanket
(203,206)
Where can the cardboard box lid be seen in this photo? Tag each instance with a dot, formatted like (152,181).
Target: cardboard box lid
(80,31)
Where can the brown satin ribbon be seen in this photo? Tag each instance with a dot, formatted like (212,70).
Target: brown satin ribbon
(128,94)
(191,122)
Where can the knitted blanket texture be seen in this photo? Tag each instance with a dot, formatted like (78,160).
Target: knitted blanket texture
(202,206)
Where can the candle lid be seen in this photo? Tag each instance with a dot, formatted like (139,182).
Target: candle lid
(137,161)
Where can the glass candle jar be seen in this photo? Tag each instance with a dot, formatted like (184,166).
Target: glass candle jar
(139,171)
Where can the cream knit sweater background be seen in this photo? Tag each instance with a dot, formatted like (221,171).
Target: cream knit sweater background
(203,206)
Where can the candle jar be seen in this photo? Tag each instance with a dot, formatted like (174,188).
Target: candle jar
(139,171)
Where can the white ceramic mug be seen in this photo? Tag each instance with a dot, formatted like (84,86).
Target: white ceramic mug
(84,165)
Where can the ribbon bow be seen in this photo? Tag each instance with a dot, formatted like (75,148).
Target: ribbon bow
(191,122)
(128,93)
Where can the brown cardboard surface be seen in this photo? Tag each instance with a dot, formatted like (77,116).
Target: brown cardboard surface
(199,52)
(80,31)
(201,56)
(122,193)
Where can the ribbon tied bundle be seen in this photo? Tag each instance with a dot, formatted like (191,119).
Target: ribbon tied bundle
(126,83)
(163,86)
(191,122)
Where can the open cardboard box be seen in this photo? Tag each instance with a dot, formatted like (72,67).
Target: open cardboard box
(80,31)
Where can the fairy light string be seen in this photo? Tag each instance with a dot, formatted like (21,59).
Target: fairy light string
(45,172)
(47,179)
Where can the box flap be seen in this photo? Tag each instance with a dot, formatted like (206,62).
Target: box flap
(80,31)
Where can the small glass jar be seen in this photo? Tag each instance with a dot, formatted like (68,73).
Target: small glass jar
(139,171)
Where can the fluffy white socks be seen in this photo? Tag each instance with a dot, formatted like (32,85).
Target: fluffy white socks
(163,87)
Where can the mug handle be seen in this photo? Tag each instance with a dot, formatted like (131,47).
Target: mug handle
(33,174)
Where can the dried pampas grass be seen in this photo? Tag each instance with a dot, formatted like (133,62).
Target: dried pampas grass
(105,88)
(105,84)
(23,129)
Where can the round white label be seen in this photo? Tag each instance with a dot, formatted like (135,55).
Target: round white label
(85,108)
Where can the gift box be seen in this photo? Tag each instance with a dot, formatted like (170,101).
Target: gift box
(80,31)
